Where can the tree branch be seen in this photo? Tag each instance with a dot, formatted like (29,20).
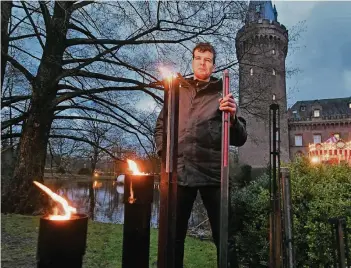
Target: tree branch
(7,123)
(46,14)
(7,101)
(33,25)
(80,5)
(59,136)
(19,67)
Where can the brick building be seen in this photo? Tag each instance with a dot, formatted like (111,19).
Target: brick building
(261,48)
(315,121)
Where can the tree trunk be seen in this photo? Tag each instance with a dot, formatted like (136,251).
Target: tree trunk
(6,7)
(22,196)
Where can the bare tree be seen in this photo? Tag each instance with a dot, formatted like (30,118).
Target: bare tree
(96,57)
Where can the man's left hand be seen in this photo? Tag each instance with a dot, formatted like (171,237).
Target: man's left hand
(228,104)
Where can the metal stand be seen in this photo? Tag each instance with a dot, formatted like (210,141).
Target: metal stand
(168,183)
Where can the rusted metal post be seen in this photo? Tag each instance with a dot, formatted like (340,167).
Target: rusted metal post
(287,219)
(168,182)
(275,216)
(223,232)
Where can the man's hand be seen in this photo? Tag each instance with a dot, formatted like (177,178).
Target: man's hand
(228,104)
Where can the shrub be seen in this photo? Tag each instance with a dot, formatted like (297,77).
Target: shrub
(318,193)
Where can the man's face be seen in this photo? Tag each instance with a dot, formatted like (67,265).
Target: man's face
(203,65)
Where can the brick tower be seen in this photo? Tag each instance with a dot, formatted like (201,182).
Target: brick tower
(261,47)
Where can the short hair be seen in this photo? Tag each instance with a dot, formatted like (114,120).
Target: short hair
(203,47)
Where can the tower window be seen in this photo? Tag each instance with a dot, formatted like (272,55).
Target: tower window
(251,71)
(316,113)
(273,51)
(303,108)
(273,71)
(273,97)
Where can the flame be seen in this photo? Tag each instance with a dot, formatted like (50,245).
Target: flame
(134,168)
(131,198)
(68,209)
(166,73)
(135,171)
(97,184)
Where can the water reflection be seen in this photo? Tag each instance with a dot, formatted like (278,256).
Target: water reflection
(103,201)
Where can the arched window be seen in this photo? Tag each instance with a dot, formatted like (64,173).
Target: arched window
(273,71)
(273,51)
(251,71)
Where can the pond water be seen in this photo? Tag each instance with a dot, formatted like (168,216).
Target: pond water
(103,201)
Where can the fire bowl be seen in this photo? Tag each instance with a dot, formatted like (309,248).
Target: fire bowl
(62,243)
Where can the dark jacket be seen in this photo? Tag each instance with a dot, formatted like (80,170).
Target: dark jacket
(200,132)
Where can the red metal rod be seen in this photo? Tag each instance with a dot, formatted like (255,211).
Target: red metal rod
(223,241)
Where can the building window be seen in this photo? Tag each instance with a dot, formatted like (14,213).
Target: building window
(350,105)
(273,72)
(251,71)
(317,138)
(316,113)
(298,140)
(302,108)
(273,51)
(337,135)
(273,97)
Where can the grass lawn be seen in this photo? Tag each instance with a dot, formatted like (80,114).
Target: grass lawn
(19,236)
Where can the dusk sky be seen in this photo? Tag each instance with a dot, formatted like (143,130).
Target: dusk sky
(324,54)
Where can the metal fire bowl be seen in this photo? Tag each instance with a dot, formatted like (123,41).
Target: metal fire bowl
(62,242)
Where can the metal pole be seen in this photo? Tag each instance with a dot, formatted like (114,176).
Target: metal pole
(340,243)
(275,217)
(223,233)
(286,194)
(168,182)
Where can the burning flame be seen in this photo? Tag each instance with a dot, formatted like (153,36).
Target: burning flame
(134,168)
(68,209)
(166,73)
(97,184)
(135,171)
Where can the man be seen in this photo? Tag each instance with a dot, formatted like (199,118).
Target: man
(199,143)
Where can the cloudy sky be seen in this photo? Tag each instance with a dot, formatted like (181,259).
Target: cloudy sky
(323,54)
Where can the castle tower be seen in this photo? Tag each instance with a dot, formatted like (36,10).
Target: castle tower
(261,47)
